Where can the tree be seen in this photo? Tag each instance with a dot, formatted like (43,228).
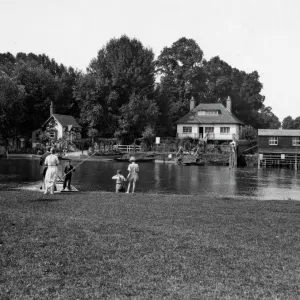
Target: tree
(137,114)
(43,81)
(288,123)
(243,88)
(122,71)
(265,119)
(12,111)
(148,136)
(297,123)
(248,133)
(181,77)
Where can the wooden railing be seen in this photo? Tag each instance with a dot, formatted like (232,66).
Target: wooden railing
(129,148)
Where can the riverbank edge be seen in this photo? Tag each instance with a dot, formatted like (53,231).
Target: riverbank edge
(209,159)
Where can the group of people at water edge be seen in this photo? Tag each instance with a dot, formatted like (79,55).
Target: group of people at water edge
(50,164)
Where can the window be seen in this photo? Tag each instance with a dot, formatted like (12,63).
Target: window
(52,134)
(207,112)
(186,129)
(209,129)
(296,141)
(224,130)
(273,141)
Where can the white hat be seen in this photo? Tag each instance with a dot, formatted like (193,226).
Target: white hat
(132,158)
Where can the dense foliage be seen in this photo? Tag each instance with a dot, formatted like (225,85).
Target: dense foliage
(290,123)
(125,93)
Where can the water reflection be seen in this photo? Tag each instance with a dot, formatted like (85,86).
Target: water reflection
(169,178)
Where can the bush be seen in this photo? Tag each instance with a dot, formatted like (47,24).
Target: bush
(148,137)
(248,133)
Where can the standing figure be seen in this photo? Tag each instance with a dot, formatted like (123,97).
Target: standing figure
(233,154)
(179,154)
(133,174)
(120,179)
(51,162)
(42,163)
(68,175)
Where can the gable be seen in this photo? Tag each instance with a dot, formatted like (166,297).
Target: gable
(63,120)
(209,113)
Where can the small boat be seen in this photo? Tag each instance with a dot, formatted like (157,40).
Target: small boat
(147,159)
(193,163)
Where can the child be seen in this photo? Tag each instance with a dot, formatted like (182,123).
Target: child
(120,179)
(68,175)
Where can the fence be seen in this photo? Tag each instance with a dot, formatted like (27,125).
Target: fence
(129,148)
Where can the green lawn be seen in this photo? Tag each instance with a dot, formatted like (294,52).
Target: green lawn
(107,246)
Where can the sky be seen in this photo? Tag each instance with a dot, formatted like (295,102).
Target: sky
(250,35)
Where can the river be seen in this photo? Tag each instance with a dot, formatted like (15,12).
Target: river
(277,184)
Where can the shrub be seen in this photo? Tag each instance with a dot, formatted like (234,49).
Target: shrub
(248,133)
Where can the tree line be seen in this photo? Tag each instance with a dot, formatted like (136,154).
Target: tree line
(125,92)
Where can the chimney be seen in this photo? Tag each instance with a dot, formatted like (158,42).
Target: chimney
(228,103)
(192,103)
(52,109)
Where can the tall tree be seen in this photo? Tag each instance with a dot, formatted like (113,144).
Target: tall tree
(181,77)
(288,123)
(265,119)
(244,88)
(43,81)
(12,112)
(123,69)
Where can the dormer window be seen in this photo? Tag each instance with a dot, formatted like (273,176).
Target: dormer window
(207,112)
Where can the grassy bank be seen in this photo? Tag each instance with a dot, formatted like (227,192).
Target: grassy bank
(107,246)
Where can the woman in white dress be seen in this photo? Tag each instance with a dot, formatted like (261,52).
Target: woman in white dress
(51,162)
(133,174)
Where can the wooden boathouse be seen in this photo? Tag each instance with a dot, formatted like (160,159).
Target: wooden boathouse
(279,148)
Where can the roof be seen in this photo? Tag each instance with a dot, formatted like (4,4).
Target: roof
(65,120)
(278,132)
(224,116)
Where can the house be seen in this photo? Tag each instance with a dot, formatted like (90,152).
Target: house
(211,121)
(59,127)
(277,147)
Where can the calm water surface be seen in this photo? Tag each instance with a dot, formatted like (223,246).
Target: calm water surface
(168,178)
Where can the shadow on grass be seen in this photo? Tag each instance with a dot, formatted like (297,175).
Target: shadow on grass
(46,200)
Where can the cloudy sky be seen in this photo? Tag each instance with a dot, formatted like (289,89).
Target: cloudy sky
(261,35)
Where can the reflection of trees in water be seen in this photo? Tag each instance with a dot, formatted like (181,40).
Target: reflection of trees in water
(164,177)
(246,181)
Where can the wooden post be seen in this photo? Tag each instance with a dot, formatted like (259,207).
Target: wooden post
(295,162)
(258,162)
(235,158)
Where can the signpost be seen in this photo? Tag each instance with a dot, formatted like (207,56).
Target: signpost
(157,141)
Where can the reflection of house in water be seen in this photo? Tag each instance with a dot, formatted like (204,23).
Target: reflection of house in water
(58,127)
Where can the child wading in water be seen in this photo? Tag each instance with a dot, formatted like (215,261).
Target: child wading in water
(120,179)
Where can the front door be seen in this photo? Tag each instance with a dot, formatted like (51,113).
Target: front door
(200,132)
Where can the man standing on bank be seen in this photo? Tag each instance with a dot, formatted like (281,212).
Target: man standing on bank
(133,174)
(68,175)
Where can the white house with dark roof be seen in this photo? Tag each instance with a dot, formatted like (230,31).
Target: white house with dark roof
(211,121)
(58,127)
